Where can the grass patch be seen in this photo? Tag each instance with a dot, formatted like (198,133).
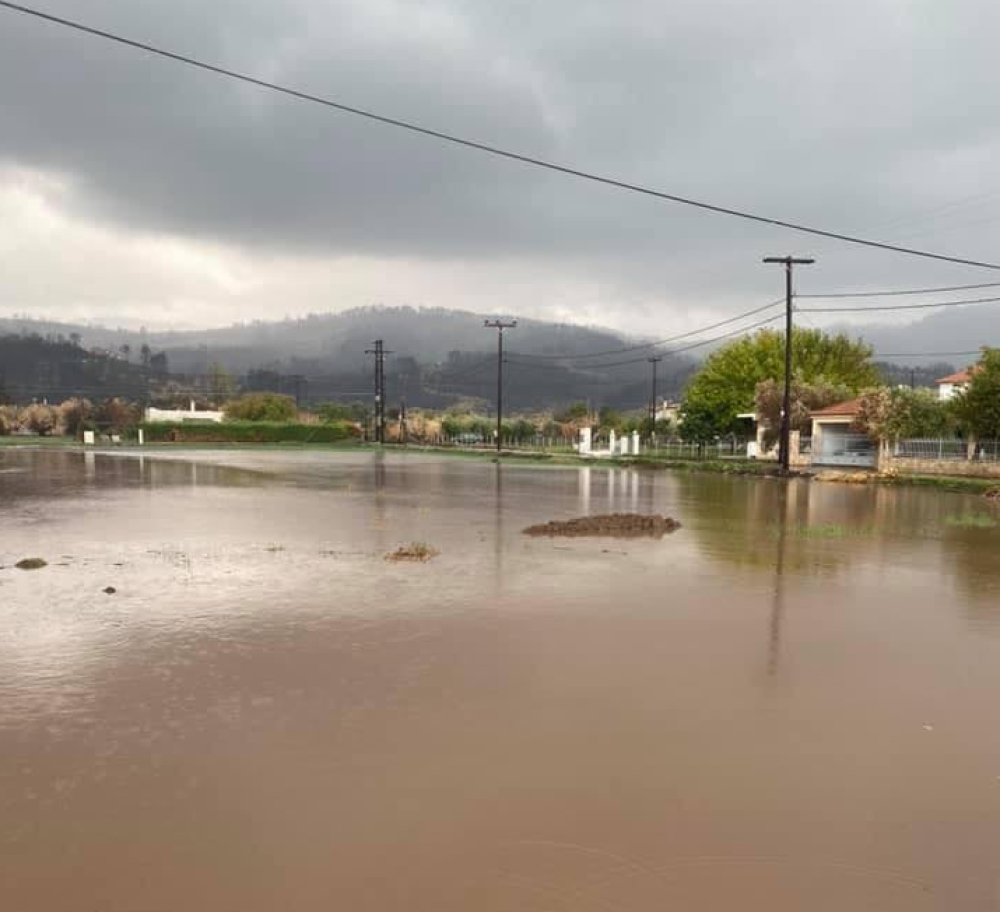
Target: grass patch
(28,441)
(972,521)
(959,485)
(825,531)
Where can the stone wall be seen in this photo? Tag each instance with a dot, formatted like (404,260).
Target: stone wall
(909,466)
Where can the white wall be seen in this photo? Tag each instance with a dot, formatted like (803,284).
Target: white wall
(948,391)
(189,414)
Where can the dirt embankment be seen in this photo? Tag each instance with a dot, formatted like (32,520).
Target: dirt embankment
(612,525)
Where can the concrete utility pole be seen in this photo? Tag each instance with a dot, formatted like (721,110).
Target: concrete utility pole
(499,326)
(379,352)
(786,409)
(652,402)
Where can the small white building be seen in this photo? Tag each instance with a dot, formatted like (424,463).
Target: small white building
(668,411)
(190,414)
(950,386)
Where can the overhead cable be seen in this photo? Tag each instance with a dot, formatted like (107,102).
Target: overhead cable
(484,147)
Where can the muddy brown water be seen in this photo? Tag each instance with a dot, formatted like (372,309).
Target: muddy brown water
(791,703)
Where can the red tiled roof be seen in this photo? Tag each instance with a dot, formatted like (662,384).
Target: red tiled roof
(963,376)
(842,409)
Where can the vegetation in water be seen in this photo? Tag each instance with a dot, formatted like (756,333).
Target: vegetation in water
(972,521)
(825,531)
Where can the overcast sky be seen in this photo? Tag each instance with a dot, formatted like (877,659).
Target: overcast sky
(135,190)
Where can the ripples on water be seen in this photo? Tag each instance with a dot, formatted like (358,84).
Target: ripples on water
(787,704)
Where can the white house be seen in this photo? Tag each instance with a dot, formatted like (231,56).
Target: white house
(952,384)
(191,414)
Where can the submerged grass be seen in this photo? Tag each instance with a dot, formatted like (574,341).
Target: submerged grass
(825,531)
(972,521)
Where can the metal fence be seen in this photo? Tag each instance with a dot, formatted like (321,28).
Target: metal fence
(948,450)
(681,449)
(665,449)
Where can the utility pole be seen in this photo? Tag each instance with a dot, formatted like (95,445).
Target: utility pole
(786,409)
(652,402)
(379,352)
(499,326)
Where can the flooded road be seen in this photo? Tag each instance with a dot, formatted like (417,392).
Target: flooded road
(790,703)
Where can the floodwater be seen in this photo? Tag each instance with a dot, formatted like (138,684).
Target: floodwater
(791,703)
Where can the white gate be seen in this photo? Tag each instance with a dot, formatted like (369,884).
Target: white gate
(845,449)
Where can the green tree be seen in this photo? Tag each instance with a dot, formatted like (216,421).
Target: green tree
(977,407)
(609,419)
(727,383)
(336,411)
(220,382)
(806,398)
(573,412)
(887,414)
(261,407)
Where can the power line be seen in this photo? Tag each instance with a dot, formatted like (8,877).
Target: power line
(484,147)
(961,354)
(673,351)
(678,337)
(903,291)
(882,307)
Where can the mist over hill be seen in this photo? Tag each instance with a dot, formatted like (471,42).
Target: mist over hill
(443,356)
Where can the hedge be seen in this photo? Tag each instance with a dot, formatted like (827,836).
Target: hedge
(246,432)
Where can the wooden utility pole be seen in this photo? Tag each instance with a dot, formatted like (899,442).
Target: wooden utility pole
(499,326)
(379,352)
(652,402)
(786,409)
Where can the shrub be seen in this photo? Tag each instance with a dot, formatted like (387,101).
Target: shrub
(38,418)
(246,432)
(336,411)
(8,419)
(261,407)
(74,416)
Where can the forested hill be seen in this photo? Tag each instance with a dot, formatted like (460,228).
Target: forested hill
(55,369)
(438,357)
(337,340)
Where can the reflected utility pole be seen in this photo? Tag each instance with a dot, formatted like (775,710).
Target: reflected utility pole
(778,603)
(499,326)
(786,409)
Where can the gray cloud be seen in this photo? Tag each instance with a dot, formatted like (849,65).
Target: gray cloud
(866,115)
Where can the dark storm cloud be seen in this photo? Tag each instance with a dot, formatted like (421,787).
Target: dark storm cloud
(858,116)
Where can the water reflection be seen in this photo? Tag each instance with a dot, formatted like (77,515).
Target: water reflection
(263,685)
(778,605)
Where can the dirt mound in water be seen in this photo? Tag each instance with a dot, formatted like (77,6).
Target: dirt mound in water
(845,477)
(613,525)
(417,552)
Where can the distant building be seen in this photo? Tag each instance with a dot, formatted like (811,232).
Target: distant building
(668,411)
(190,414)
(953,384)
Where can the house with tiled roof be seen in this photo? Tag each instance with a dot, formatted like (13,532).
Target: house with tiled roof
(949,386)
(834,439)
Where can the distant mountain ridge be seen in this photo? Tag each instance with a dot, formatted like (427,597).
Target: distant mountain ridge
(429,334)
(339,339)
